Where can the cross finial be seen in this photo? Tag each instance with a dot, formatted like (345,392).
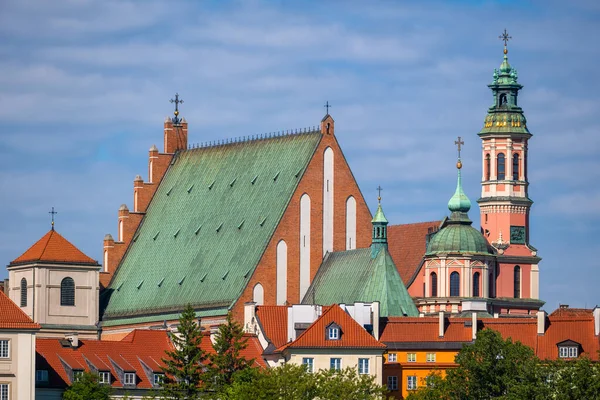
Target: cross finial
(459,143)
(327,107)
(379,189)
(504,37)
(53,213)
(176,119)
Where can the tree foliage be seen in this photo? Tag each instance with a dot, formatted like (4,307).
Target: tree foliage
(87,387)
(227,359)
(571,380)
(184,365)
(293,382)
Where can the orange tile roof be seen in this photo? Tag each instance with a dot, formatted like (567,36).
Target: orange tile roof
(406,244)
(274,322)
(572,312)
(12,317)
(352,334)
(252,351)
(578,327)
(52,247)
(522,330)
(144,345)
(415,329)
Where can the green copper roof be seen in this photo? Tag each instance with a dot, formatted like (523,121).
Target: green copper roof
(207,227)
(459,202)
(353,276)
(379,216)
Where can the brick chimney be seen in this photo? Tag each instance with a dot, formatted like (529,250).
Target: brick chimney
(176,135)
(541,322)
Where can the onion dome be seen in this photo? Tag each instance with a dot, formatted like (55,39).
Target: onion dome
(457,235)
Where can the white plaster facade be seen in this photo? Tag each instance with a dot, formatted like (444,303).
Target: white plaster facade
(18,370)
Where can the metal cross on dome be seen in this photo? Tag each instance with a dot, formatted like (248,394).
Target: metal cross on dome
(459,143)
(53,213)
(176,112)
(379,189)
(504,37)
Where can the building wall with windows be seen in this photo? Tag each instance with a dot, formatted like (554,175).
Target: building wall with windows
(322,359)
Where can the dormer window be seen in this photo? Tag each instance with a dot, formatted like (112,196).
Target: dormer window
(104,377)
(77,375)
(568,349)
(129,378)
(158,379)
(333,332)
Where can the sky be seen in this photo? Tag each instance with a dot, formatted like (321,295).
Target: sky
(85,87)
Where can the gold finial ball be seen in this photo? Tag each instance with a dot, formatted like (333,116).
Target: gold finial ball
(505,50)
(459,164)
(176,112)
(378,198)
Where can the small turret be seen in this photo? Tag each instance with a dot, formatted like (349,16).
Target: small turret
(379,237)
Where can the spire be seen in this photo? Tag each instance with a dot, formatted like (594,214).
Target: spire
(459,203)
(379,221)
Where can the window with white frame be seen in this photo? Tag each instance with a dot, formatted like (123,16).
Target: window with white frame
(77,375)
(157,379)
(411,357)
(4,391)
(363,366)
(411,382)
(335,364)
(308,363)
(333,333)
(104,377)
(4,349)
(392,357)
(568,351)
(430,357)
(392,383)
(41,375)
(129,378)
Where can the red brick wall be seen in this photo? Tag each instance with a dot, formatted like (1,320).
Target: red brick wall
(289,228)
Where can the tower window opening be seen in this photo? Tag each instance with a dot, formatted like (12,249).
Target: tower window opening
(486,218)
(433,284)
(488,160)
(23,292)
(517,281)
(501,167)
(515,166)
(476,284)
(503,99)
(67,292)
(454,284)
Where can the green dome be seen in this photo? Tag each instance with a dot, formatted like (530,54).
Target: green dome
(379,216)
(458,238)
(459,202)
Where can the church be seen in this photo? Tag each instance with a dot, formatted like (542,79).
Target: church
(279,219)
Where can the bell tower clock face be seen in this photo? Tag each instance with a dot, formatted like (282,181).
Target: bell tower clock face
(517,235)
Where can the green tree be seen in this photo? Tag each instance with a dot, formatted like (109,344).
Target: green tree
(491,368)
(573,379)
(184,365)
(348,384)
(227,359)
(87,387)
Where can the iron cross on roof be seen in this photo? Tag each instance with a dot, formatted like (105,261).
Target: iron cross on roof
(504,37)
(53,213)
(176,119)
(327,106)
(459,143)
(379,189)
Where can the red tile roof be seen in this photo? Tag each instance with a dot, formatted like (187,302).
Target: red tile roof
(252,351)
(352,334)
(12,317)
(144,345)
(406,244)
(572,312)
(415,329)
(52,247)
(274,322)
(563,325)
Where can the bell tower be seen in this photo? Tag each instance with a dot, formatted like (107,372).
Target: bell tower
(505,204)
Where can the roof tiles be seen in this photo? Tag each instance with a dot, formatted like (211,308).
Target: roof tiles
(54,248)
(274,321)
(12,317)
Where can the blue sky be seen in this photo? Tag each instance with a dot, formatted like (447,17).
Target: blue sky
(84,89)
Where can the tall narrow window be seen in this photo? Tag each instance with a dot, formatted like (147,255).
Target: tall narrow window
(501,167)
(454,284)
(67,292)
(517,280)
(433,283)
(488,163)
(476,284)
(515,168)
(23,292)
(491,285)
(258,294)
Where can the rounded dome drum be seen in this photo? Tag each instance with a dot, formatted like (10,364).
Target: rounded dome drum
(458,238)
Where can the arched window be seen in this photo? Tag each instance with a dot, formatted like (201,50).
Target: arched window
(67,292)
(258,295)
(476,284)
(433,283)
(491,285)
(454,284)
(503,99)
(500,167)
(23,292)
(515,167)
(517,281)
(488,162)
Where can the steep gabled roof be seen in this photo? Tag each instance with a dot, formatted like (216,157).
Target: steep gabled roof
(12,317)
(127,354)
(353,276)
(274,322)
(352,334)
(407,245)
(574,324)
(207,227)
(53,248)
